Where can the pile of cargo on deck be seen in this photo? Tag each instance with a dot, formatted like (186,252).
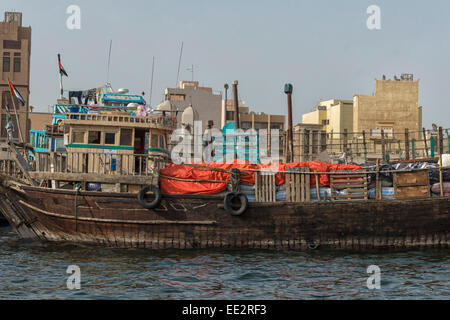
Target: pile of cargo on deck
(204,178)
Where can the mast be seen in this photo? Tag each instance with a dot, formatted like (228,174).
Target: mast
(236,104)
(179,64)
(288,88)
(109,61)
(151,83)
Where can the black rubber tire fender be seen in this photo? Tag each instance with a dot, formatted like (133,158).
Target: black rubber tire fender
(227,202)
(150,205)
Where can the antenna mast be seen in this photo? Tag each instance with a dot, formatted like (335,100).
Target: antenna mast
(151,84)
(179,63)
(109,60)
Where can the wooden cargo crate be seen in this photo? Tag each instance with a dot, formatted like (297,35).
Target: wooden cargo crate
(414,184)
(351,186)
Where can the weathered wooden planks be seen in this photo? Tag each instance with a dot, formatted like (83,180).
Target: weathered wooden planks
(352,186)
(118,220)
(411,184)
(265,187)
(298,185)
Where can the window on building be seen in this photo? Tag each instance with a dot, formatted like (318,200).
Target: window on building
(110,138)
(77,137)
(246,125)
(8,102)
(278,126)
(16,62)
(230,116)
(177,97)
(94,137)
(12,44)
(125,137)
(6,62)
(261,125)
(6,98)
(3,123)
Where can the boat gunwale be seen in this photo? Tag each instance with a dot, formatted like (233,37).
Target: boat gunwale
(220,198)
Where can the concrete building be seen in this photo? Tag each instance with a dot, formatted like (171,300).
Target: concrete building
(393,108)
(334,115)
(250,119)
(15,50)
(310,140)
(39,120)
(206,104)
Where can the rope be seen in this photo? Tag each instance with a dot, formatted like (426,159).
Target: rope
(235,178)
(77,188)
(192,180)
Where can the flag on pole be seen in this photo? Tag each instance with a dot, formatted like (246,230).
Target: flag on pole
(16,93)
(62,72)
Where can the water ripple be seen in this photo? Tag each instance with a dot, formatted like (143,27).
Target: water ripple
(33,270)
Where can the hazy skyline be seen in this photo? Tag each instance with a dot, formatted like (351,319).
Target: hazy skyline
(323,48)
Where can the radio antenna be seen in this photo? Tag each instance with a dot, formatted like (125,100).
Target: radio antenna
(151,84)
(109,60)
(179,64)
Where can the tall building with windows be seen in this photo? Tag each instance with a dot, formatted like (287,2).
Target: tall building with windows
(203,102)
(393,108)
(334,115)
(15,51)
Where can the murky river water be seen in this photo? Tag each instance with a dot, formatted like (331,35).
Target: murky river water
(38,271)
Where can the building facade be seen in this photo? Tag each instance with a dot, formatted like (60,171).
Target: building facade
(206,104)
(39,120)
(334,115)
(393,108)
(15,50)
(249,119)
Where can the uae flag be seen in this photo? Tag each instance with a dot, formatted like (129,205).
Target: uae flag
(62,72)
(16,93)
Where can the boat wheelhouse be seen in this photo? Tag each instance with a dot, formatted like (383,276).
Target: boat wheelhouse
(104,139)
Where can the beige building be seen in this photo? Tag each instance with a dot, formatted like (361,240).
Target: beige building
(39,120)
(15,50)
(206,104)
(249,119)
(334,115)
(393,108)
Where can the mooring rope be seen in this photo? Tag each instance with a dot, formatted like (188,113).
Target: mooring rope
(77,190)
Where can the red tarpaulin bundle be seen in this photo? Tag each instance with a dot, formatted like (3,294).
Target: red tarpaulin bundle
(217,180)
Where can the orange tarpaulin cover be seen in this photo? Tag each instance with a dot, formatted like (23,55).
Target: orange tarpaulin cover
(170,186)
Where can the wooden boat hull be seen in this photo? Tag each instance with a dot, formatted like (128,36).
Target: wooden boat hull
(117,220)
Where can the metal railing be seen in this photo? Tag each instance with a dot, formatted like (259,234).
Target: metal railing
(157,121)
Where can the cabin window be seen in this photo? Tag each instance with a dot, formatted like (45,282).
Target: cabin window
(110,138)
(78,137)
(125,137)
(154,141)
(161,142)
(94,137)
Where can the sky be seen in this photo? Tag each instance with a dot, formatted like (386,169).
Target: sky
(323,47)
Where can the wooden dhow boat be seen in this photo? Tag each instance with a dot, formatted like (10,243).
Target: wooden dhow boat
(97,193)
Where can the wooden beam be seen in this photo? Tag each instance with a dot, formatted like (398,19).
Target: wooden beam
(92,177)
